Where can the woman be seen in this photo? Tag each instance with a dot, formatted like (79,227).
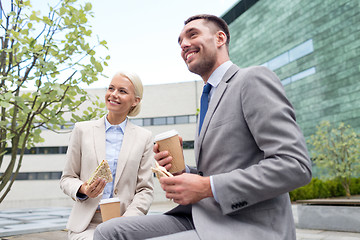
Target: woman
(126,147)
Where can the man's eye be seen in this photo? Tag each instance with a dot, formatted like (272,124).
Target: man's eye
(193,35)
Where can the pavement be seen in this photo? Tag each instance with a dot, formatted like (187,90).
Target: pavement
(49,224)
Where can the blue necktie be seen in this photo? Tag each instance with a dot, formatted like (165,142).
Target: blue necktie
(204,103)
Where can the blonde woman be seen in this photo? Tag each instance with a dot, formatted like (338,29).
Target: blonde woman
(126,147)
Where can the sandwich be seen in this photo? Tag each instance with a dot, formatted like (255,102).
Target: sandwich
(160,171)
(102,171)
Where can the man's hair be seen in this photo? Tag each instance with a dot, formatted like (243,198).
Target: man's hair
(219,22)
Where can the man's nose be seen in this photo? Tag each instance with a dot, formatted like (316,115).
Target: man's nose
(184,44)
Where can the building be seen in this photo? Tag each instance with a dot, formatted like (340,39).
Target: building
(314,48)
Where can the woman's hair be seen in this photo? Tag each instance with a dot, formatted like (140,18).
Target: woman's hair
(138,86)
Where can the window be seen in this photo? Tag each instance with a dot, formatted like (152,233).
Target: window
(159,121)
(170,120)
(147,121)
(301,50)
(38,176)
(279,61)
(48,150)
(41,150)
(192,119)
(181,119)
(137,121)
(299,76)
(188,144)
(290,55)
(303,74)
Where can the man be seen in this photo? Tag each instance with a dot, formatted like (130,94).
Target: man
(249,152)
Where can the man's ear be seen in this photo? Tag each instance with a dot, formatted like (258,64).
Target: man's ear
(220,38)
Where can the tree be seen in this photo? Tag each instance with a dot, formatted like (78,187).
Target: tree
(337,151)
(43,59)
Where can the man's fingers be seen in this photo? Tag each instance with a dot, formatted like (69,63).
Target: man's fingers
(181,141)
(161,155)
(156,148)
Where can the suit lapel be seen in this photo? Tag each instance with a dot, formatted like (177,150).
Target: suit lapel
(99,139)
(128,140)
(220,90)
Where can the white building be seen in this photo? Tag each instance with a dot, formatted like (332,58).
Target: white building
(164,107)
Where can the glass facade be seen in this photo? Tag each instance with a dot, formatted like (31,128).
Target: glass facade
(312,46)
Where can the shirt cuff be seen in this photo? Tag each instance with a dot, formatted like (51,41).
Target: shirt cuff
(213,188)
(81,197)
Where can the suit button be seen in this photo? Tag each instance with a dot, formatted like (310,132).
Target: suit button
(239,205)
(116,192)
(201,173)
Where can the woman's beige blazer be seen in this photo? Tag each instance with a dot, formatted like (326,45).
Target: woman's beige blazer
(133,181)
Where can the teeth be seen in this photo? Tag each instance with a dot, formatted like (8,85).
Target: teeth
(113,102)
(189,55)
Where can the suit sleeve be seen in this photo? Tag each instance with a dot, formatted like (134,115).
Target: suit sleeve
(284,164)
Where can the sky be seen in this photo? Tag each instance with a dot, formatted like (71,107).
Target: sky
(142,36)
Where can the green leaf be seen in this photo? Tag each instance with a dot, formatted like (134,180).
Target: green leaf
(88,6)
(62,11)
(4,104)
(98,67)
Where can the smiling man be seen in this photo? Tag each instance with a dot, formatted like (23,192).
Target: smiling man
(249,153)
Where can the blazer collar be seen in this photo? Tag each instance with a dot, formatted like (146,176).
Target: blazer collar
(126,148)
(99,139)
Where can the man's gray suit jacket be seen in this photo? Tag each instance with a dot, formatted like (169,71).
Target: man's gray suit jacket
(255,152)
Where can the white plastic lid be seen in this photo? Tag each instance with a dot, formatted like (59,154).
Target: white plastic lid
(165,135)
(109,200)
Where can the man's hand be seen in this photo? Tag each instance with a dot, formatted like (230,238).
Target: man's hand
(163,157)
(94,189)
(186,188)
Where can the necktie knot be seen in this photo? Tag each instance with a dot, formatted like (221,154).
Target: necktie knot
(207,88)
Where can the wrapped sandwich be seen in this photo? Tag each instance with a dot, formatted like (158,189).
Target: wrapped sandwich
(160,171)
(102,171)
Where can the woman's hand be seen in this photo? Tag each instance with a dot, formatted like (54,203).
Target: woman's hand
(94,189)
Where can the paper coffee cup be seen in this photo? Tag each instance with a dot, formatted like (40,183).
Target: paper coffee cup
(110,208)
(169,141)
